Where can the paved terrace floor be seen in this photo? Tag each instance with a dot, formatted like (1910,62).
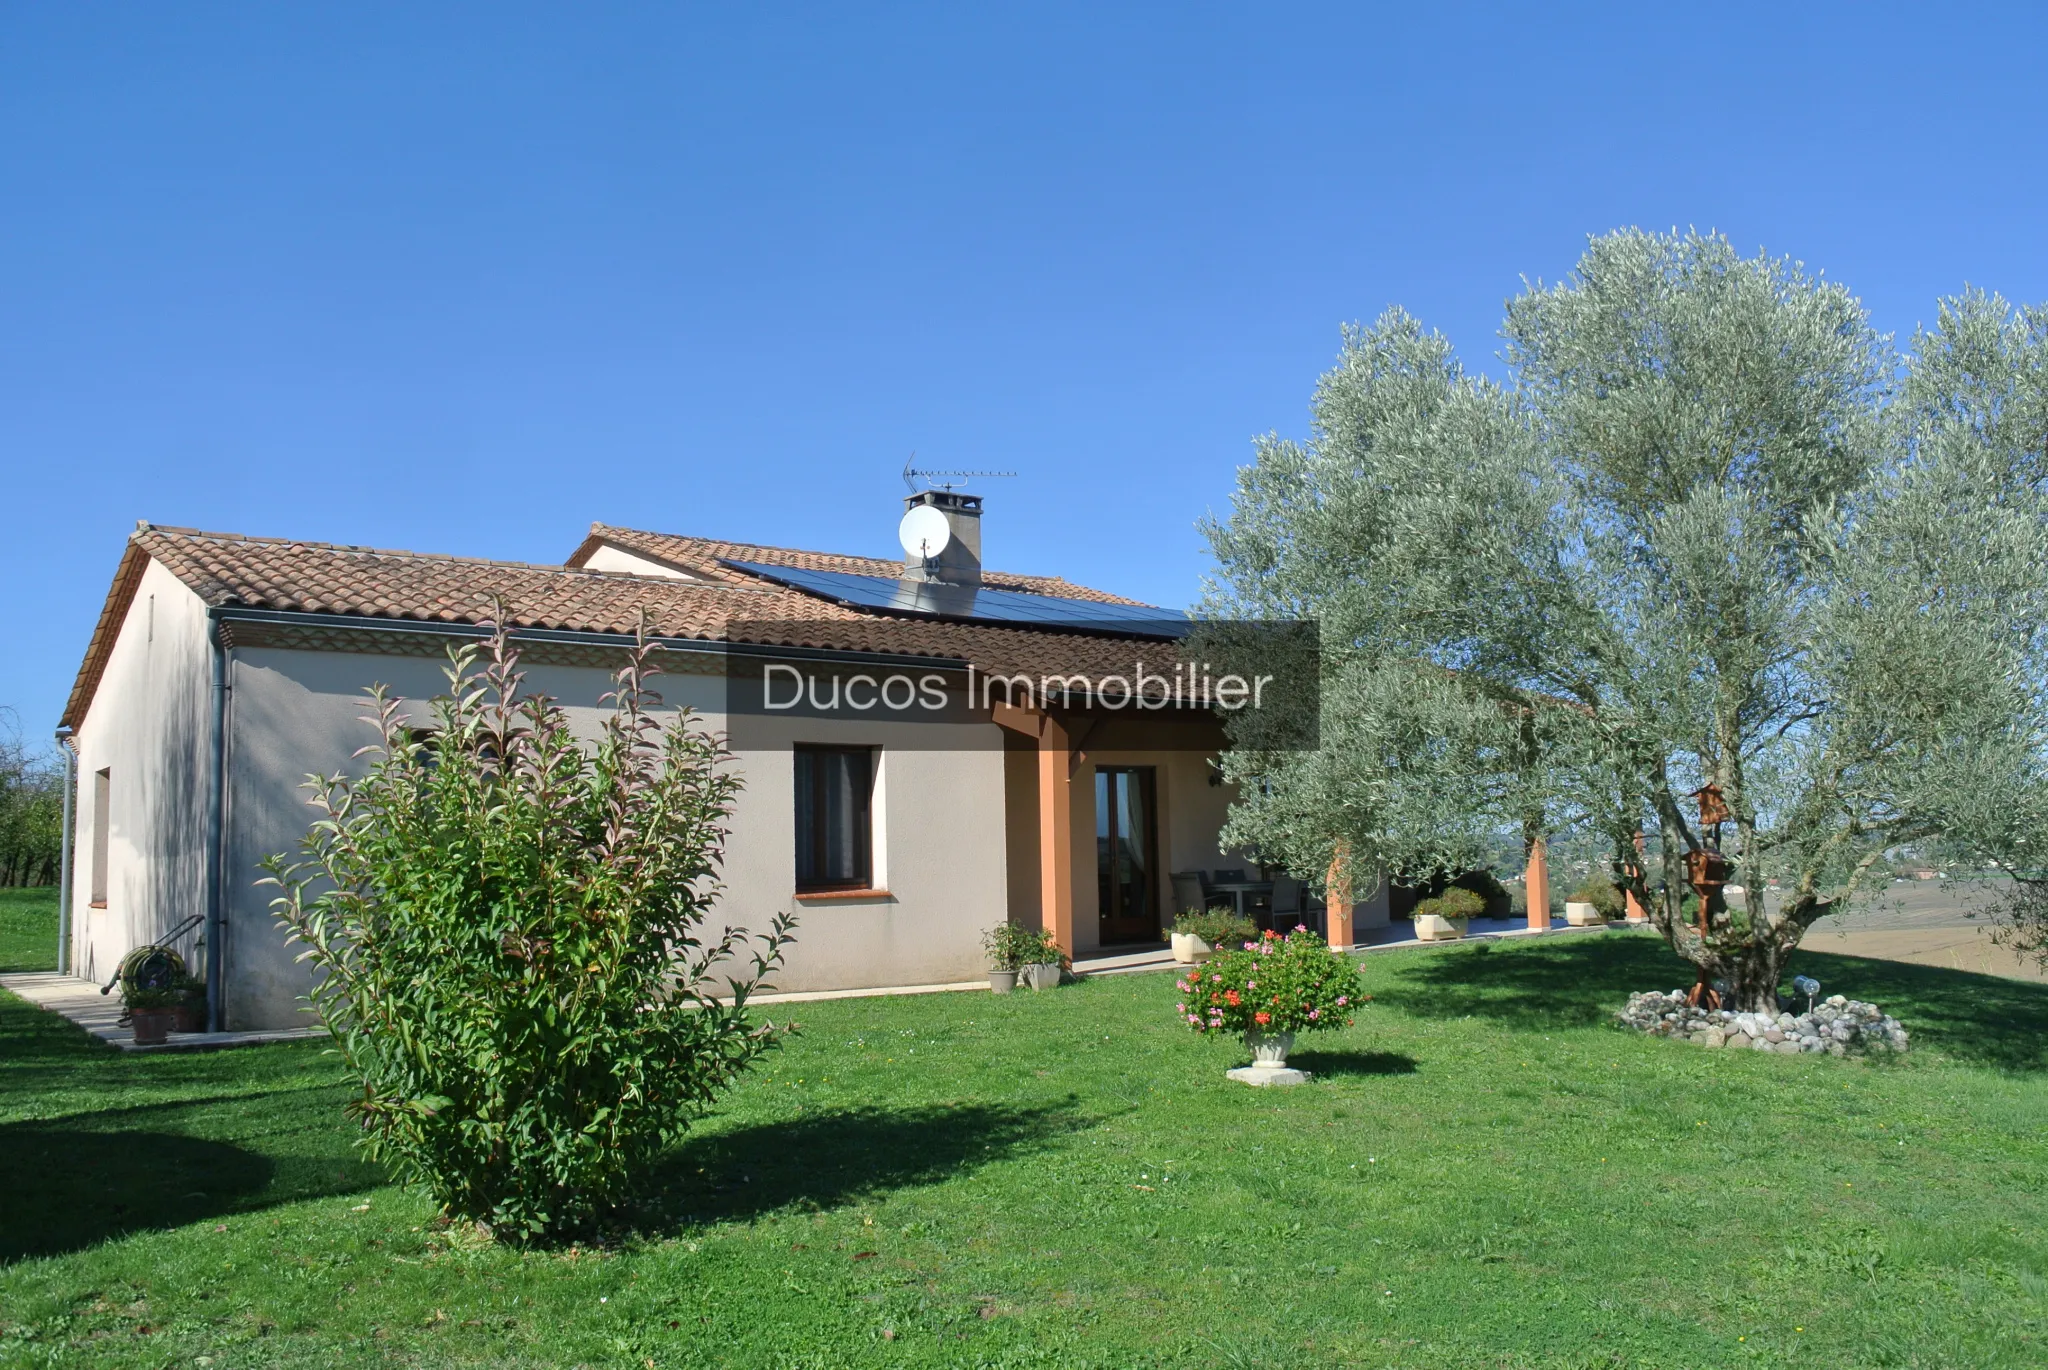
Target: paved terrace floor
(99,1014)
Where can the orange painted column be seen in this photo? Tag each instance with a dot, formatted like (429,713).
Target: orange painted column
(1337,898)
(1056,832)
(1538,885)
(1636,912)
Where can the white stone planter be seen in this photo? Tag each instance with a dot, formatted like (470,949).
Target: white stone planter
(1002,981)
(1191,950)
(1431,928)
(1269,1061)
(1582,915)
(1041,976)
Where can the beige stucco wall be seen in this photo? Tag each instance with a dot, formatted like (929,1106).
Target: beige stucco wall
(939,836)
(148,727)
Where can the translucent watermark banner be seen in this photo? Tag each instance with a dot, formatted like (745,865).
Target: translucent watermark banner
(951,686)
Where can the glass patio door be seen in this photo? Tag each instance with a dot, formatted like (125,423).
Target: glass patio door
(1126,854)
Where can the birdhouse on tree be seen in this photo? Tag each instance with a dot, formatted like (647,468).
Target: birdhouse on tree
(1713,806)
(1706,869)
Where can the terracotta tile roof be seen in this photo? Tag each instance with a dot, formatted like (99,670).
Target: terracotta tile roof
(701,557)
(230,570)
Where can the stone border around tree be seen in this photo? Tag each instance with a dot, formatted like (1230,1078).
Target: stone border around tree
(1837,1026)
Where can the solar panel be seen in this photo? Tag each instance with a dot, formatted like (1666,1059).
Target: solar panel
(976,604)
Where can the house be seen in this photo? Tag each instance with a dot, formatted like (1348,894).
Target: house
(927,748)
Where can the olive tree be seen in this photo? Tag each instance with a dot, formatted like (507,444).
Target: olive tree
(1710,530)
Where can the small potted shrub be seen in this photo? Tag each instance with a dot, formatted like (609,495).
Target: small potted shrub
(1044,962)
(1197,933)
(1267,993)
(1594,904)
(152,1012)
(1008,946)
(190,1009)
(1443,919)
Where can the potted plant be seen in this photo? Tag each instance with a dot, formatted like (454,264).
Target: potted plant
(1007,945)
(1444,918)
(1044,962)
(1268,992)
(190,1010)
(152,1012)
(1593,904)
(1197,933)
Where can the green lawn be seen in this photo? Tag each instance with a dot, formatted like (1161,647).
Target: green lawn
(1485,1175)
(28,929)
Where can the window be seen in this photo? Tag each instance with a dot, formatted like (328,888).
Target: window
(834,818)
(102,813)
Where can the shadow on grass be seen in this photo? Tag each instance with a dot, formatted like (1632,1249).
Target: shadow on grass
(71,1189)
(846,1155)
(1979,1019)
(1326,1064)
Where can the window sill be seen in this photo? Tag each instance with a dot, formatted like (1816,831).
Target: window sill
(97,904)
(831,896)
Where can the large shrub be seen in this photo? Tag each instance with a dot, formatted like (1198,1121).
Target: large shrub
(1273,985)
(510,931)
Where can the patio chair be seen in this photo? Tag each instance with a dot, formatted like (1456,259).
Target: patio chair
(1292,907)
(1190,891)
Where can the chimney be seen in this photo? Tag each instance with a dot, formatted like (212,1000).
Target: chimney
(959,561)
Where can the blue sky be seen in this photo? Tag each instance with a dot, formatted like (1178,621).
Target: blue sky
(465,279)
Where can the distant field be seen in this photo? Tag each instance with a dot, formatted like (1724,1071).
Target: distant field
(28,929)
(1924,923)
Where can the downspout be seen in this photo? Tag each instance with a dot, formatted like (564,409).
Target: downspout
(216,799)
(69,747)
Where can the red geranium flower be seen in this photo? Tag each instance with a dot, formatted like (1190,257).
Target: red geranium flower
(1262,1018)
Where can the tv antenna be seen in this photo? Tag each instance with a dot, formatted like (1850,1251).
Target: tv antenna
(945,480)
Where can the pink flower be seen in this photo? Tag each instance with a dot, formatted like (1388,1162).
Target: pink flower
(1342,1000)
(1314,1014)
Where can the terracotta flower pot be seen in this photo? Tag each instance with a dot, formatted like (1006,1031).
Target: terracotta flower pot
(189,1016)
(152,1025)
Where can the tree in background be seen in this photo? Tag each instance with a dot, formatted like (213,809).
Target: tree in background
(512,940)
(1710,531)
(31,810)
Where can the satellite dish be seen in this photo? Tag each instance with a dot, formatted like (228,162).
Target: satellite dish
(924,532)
